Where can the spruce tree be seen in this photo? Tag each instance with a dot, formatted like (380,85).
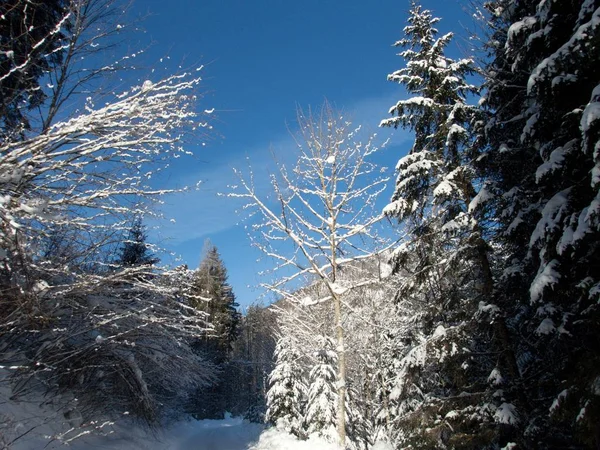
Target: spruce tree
(30,47)
(135,251)
(543,167)
(212,294)
(287,393)
(321,412)
(444,260)
(215,295)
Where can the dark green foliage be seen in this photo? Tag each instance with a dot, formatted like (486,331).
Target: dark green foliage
(29,47)
(543,167)
(212,294)
(135,251)
(215,296)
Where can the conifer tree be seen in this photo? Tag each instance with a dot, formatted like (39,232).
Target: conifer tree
(287,393)
(30,48)
(217,298)
(444,259)
(212,294)
(542,167)
(322,397)
(135,250)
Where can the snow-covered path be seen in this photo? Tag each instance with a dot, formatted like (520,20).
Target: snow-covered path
(231,433)
(228,434)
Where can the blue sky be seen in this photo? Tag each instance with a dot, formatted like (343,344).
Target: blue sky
(263,59)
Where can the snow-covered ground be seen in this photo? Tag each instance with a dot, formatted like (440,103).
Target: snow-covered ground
(232,433)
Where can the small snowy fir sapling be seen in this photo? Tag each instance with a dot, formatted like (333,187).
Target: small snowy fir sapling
(321,413)
(287,392)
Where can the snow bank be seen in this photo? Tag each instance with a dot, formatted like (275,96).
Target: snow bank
(273,439)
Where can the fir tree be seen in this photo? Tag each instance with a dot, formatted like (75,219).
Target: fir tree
(444,260)
(287,393)
(321,412)
(135,250)
(212,294)
(30,48)
(216,296)
(543,166)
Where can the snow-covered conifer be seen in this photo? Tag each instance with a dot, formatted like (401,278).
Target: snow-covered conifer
(135,250)
(443,262)
(320,415)
(216,297)
(287,393)
(543,166)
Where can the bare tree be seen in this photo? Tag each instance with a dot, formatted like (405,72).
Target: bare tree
(80,170)
(320,219)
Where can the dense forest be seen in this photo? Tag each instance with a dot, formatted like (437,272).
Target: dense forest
(462,315)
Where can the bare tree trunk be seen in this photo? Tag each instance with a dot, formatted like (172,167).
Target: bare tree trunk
(341,376)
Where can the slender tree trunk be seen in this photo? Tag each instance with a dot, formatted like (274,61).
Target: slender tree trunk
(339,332)
(341,376)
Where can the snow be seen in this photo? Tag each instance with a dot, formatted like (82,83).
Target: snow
(452,415)
(552,214)
(481,198)
(490,309)
(596,386)
(518,27)
(231,433)
(338,289)
(382,446)
(495,377)
(555,161)
(395,208)
(550,66)
(582,412)
(556,403)
(591,113)
(506,413)
(439,332)
(228,434)
(548,276)
(273,439)
(147,86)
(546,327)
(444,189)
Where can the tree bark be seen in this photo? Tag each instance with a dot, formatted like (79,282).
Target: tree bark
(341,381)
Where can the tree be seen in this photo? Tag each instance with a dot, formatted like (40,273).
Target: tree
(287,391)
(542,168)
(32,35)
(82,174)
(323,212)
(211,284)
(320,417)
(135,250)
(444,260)
(214,296)
(251,363)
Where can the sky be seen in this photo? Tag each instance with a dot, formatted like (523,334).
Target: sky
(262,60)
